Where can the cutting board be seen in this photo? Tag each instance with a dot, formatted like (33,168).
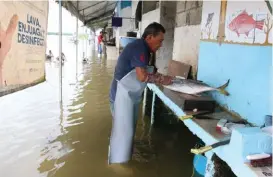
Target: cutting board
(176,68)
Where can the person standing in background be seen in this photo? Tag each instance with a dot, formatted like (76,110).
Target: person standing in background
(100,38)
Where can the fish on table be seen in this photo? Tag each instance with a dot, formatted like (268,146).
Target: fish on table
(194,87)
(244,23)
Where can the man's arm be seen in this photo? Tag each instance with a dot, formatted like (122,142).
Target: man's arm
(157,78)
(140,61)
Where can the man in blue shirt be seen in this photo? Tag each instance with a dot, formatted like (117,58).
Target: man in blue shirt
(136,55)
(130,79)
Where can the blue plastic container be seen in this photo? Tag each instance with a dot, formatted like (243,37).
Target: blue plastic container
(126,40)
(199,163)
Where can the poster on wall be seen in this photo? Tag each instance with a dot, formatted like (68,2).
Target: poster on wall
(248,23)
(237,22)
(210,20)
(23,29)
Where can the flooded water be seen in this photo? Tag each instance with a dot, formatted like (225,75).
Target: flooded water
(41,137)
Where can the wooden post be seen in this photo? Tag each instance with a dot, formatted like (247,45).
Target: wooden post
(221,30)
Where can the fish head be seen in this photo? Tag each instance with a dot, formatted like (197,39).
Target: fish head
(232,25)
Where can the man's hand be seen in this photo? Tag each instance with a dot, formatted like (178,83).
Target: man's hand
(167,80)
(6,38)
(163,79)
(157,78)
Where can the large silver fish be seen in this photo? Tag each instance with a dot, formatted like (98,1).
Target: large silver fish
(194,87)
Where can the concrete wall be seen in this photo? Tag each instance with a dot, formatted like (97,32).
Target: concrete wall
(187,33)
(127,24)
(134,6)
(247,63)
(167,19)
(149,17)
(150,6)
(22,60)
(160,15)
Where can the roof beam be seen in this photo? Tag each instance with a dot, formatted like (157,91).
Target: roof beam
(106,7)
(73,8)
(99,22)
(106,18)
(107,10)
(88,15)
(91,5)
(107,13)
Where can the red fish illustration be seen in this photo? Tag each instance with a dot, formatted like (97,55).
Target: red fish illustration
(244,23)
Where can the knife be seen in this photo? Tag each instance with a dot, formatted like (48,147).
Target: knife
(193,115)
(210,147)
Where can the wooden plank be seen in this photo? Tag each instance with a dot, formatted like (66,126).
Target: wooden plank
(177,68)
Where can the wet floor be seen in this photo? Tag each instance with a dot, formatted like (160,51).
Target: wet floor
(41,137)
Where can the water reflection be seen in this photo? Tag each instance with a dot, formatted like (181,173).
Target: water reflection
(87,124)
(40,137)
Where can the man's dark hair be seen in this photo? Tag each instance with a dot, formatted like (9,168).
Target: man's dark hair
(153,28)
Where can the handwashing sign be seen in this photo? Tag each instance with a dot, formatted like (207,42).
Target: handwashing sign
(31,32)
(23,29)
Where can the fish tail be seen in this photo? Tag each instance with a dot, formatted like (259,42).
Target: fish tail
(222,88)
(260,24)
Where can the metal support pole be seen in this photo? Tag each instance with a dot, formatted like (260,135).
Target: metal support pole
(82,46)
(77,42)
(153,109)
(86,39)
(144,103)
(140,27)
(60,49)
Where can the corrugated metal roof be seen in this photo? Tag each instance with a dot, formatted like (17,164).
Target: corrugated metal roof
(91,13)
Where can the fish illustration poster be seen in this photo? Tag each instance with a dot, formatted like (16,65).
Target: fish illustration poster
(248,23)
(244,23)
(23,26)
(210,20)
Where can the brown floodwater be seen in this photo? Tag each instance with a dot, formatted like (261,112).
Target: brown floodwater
(41,137)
